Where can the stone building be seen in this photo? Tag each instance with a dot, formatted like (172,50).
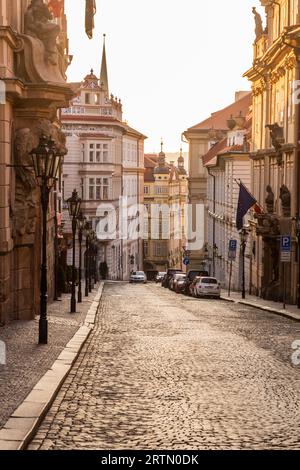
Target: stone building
(33,62)
(227,162)
(275,145)
(105,162)
(201,138)
(165,197)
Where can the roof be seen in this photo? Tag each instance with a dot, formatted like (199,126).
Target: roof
(218,120)
(150,162)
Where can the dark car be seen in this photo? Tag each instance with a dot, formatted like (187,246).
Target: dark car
(166,280)
(192,273)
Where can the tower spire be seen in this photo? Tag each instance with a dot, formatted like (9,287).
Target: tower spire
(103,73)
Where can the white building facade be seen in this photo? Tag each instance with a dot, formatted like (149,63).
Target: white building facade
(227,164)
(105,163)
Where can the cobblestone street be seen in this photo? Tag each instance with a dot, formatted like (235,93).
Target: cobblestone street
(163,371)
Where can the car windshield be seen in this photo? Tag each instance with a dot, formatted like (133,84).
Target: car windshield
(209,280)
(180,276)
(140,273)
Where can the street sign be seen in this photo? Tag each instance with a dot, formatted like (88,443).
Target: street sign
(232,250)
(186,261)
(286,248)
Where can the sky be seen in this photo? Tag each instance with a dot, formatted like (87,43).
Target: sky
(172,62)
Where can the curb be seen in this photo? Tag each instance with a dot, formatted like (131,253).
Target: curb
(281,313)
(23,423)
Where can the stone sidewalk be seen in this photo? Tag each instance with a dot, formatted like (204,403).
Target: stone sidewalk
(291,311)
(27,361)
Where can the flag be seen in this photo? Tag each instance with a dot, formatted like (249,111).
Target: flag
(90,11)
(56,7)
(246,201)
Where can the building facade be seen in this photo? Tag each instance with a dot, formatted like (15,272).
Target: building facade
(275,146)
(227,163)
(201,138)
(33,62)
(105,164)
(166,197)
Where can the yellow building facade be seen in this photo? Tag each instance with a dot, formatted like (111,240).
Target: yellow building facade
(165,199)
(275,147)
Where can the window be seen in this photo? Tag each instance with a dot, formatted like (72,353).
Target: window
(97,99)
(99,189)
(160,249)
(99,153)
(87,98)
(146,189)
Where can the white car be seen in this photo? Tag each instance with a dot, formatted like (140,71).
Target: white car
(138,276)
(207,287)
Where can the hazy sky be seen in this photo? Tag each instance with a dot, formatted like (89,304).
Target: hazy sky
(172,62)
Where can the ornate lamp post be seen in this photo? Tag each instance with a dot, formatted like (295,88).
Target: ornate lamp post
(46,162)
(87,232)
(297,222)
(74,208)
(81,223)
(243,237)
(92,260)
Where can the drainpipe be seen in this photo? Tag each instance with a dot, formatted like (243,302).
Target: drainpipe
(214,220)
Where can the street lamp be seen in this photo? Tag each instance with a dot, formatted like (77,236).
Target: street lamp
(87,232)
(297,223)
(46,162)
(74,207)
(81,223)
(243,237)
(92,260)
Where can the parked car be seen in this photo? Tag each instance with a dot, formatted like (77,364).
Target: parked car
(159,277)
(168,277)
(207,287)
(138,276)
(179,283)
(175,278)
(191,274)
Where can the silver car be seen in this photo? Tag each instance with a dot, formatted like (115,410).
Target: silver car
(138,276)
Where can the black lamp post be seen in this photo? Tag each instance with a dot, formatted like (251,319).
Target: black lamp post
(92,261)
(243,237)
(74,208)
(81,223)
(87,232)
(46,162)
(297,221)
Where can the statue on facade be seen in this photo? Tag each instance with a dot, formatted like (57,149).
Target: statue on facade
(38,24)
(259,30)
(285,197)
(269,200)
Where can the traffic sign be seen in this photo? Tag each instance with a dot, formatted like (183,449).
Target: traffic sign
(286,248)
(232,250)
(186,261)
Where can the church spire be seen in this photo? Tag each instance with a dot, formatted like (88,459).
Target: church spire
(103,73)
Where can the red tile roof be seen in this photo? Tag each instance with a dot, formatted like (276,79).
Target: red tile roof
(218,120)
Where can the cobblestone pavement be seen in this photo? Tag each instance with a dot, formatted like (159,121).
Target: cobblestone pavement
(163,371)
(27,361)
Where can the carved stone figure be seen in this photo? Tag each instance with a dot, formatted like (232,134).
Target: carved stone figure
(259,30)
(285,197)
(276,134)
(27,199)
(270,200)
(38,24)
